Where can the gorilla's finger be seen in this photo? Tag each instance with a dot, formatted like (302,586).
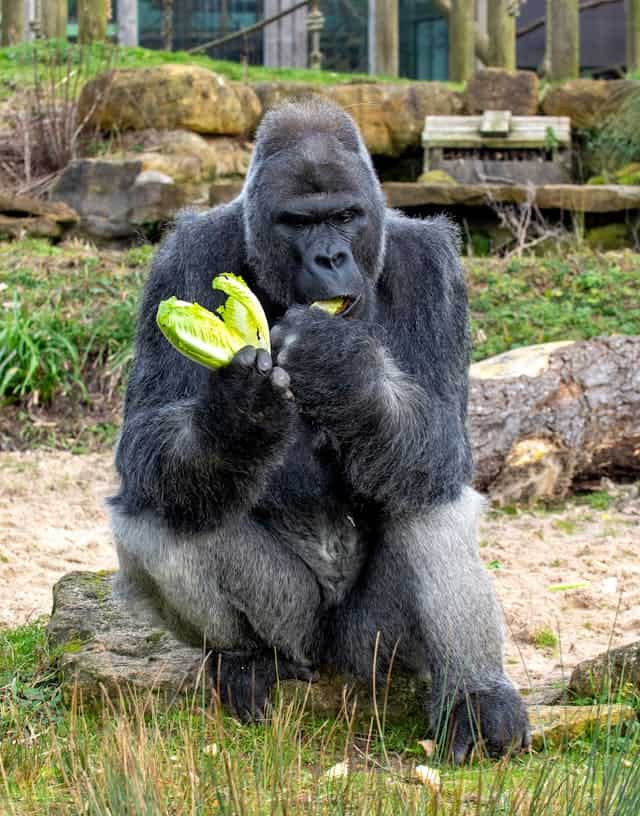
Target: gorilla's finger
(277,335)
(461,746)
(245,358)
(264,363)
(280,379)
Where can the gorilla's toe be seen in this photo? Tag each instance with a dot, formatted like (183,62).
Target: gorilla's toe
(243,681)
(493,719)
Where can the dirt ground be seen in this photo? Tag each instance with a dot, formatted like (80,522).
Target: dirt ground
(53,520)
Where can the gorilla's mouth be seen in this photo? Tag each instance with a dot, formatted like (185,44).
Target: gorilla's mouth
(339,306)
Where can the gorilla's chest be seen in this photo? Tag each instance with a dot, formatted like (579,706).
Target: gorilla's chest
(311,510)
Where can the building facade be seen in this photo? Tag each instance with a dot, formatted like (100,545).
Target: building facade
(423,33)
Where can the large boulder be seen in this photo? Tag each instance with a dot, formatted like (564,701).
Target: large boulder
(22,216)
(499,89)
(193,161)
(169,97)
(390,116)
(102,646)
(588,102)
(608,673)
(117,199)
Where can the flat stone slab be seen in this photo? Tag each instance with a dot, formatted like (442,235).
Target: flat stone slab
(103,649)
(571,197)
(553,726)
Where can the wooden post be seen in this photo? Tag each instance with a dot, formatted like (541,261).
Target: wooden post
(563,24)
(502,35)
(384,37)
(128,22)
(92,21)
(12,22)
(462,34)
(54,15)
(633,34)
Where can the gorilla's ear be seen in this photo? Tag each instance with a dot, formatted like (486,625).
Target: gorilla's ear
(290,122)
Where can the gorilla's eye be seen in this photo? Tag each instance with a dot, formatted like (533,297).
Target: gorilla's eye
(344,217)
(294,220)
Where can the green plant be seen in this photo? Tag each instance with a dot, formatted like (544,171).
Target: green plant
(617,142)
(37,357)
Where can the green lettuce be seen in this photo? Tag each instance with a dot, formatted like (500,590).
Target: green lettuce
(214,339)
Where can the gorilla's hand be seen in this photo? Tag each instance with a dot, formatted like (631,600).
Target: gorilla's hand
(254,389)
(494,718)
(326,357)
(244,681)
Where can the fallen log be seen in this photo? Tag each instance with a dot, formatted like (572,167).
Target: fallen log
(544,417)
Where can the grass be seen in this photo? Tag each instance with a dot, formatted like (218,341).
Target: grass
(191,758)
(67,322)
(17,64)
(524,301)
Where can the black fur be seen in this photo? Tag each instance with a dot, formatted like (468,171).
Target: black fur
(331,488)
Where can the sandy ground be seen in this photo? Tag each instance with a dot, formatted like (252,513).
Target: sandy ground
(53,520)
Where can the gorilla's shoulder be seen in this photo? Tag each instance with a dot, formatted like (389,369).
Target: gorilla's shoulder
(197,236)
(422,255)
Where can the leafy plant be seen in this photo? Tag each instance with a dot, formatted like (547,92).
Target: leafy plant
(617,142)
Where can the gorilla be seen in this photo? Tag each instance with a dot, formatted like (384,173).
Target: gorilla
(311,507)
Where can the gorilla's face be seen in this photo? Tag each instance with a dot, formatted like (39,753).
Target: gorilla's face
(314,212)
(320,231)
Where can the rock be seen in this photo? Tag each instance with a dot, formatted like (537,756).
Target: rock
(610,671)
(100,646)
(22,216)
(390,116)
(587,198)
(499,89)
(553,726)
(570,197)
(273,93)
(420,194)
(169,97)
(436,177)
(587,102)
(115,199)
(185,156)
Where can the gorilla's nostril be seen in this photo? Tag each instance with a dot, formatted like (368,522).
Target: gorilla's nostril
(338,259)
(323,261)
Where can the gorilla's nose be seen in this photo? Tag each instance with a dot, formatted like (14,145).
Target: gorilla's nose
(330,260)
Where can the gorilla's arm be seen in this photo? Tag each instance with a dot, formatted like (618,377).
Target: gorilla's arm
(197,444)
(393,391)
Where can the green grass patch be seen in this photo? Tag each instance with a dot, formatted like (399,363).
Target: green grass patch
(67,315)
(191,758)
(19,63)
(525,301)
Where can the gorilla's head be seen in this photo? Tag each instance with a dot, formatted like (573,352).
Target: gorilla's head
(314,210)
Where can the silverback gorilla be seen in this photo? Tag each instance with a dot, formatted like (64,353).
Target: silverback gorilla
(314,508)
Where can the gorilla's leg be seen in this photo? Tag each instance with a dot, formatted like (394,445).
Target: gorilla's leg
(427,594)
(257,605)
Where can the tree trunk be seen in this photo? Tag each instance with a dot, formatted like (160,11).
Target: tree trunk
(545,416)
(128,22)
(92,21)
(563,25)
(384,44)
(502,35)
(54,19)
(462,32)
(12,22)
(633,34)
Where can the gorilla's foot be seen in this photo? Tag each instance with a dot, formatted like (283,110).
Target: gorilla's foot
(243,680)
(493,719)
